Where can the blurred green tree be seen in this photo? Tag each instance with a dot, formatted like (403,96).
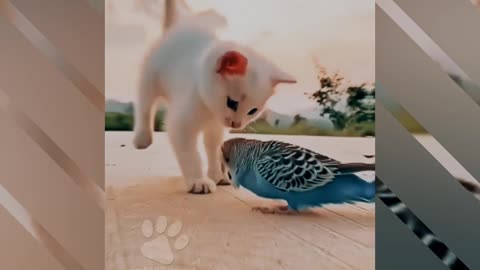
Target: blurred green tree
(349,108)
(115,121)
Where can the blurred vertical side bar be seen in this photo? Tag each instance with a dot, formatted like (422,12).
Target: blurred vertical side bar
(51,134)
(426,51)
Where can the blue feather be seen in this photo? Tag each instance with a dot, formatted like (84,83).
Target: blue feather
(297,175)
(344,189)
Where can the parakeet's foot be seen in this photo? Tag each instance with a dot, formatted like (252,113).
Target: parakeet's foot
(279,209)
(202,186)
(223,182)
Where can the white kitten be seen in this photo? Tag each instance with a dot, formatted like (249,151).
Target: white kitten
(209,85)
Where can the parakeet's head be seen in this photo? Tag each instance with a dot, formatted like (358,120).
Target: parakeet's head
(230,150)
(231,154)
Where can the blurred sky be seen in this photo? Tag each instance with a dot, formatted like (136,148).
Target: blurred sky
(340,33)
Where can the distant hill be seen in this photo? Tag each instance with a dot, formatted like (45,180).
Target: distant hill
(278,120)
(117,106)
(312,117)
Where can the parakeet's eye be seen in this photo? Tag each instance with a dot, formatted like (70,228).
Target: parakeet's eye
(225,156)
(252,111)
(232,104)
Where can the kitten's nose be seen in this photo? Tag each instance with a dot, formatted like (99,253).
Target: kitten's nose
(235,124)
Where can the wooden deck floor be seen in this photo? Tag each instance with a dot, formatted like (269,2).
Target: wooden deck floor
(223,232)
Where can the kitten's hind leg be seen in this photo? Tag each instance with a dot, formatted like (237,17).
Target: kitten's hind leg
(213,138)
(145,110)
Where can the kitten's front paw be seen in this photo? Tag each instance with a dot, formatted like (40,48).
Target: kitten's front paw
(143,139)
(202,186)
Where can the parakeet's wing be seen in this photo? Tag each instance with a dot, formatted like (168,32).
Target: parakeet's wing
(293,168)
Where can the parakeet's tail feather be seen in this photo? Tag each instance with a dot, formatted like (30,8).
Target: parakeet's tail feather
(355,167)
(368,192)
(345,189)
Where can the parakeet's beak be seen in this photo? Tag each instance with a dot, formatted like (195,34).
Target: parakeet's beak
(235,185)
(230,178)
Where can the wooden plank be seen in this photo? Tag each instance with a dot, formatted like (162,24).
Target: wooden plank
(224,232)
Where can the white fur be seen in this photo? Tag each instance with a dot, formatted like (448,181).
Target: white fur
(181,69)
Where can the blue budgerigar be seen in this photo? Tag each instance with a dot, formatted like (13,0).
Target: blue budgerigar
(303,178)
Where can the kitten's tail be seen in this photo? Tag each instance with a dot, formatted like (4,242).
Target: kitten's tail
(179,11)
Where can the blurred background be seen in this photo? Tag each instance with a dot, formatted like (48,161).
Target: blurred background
(328,45)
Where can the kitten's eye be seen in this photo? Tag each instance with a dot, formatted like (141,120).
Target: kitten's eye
(232,104)
(252,111)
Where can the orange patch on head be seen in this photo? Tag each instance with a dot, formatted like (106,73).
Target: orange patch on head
(232,63)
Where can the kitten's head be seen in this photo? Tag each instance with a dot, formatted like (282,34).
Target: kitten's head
(240,84)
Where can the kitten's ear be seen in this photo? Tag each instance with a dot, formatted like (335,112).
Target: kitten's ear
(232,63)
(280,76)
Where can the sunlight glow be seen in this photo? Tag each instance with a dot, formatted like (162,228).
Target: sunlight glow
(340,33)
